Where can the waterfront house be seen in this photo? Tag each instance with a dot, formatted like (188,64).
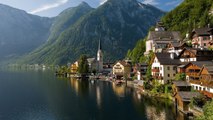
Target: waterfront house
(178,86)
(164,67)
(183,99)
(202,37)
(122,69)
(205,83)
(74,68)
(157,40)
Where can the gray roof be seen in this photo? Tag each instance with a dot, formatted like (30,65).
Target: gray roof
(209,68)
(203,31)
(187,96)
(165,59)
(181,83)
(164,35)
(201,63)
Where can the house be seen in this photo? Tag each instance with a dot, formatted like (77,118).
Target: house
(193,70)
(140,70)
(121,69)
(178,86)
(157,40)
(74,68)
(164,67)
(195,54)
(183,99)
(205,83)
(175,47)
(202,37)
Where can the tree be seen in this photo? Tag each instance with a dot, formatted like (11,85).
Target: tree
(207,112)
(83,65)
(180,76)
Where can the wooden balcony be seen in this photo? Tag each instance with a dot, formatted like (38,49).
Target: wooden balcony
(198,82)
(193,74)
(155,70)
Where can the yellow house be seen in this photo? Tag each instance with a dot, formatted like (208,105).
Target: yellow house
(74,67)
(121,69)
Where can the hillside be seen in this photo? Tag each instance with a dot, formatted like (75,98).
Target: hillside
(20,32)
(184,18)
(118,23)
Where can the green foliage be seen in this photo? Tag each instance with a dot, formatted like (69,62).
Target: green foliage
(189,15)
(137,54)
(198,101)
(83,65)
(207,112)
(180,76)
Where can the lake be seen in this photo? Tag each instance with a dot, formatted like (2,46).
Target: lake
(39,95)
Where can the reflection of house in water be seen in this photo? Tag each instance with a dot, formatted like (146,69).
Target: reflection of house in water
(118,90)
(98,96)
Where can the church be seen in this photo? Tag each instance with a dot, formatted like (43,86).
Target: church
(96,64)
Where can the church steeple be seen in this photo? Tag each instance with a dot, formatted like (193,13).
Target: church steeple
(99,46)
(100,57)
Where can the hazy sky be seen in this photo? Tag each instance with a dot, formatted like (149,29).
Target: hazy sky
(54,7)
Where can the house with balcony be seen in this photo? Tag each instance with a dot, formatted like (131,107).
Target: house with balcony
(164,67)
(193,70)
(121,69)
(202,37)
(74,68)
(205,83)
(195,54)
(157,40)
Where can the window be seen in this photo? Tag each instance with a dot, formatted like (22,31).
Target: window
(174,68)
(173,75)
(204,44)
(204,89)
(168,68)
(160,68)
(168,75)
(196,88)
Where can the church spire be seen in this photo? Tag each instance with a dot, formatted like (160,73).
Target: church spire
(99,46)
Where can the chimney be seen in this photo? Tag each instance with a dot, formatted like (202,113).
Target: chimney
(172,55)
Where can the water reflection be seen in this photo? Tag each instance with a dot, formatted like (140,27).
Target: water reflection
(119,90)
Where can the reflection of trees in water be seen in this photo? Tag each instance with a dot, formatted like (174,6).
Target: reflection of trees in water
(81,87)
(154,108)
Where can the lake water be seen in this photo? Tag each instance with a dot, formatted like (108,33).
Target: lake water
(39,95)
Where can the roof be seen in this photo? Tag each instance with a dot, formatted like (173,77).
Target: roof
(165,59)
(181,83)
(165,35)
(91,60)
(126,64)
(201,63)
(209,68)
(187,96)
(198,52)
(203,31)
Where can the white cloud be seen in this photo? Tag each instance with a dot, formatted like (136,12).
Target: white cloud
(151,2)
(49,6)
(102,1)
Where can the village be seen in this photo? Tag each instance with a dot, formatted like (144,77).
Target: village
(181,68)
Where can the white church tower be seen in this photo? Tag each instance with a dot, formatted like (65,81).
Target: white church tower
(100,58)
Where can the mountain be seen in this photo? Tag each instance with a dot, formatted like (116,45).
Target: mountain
(118,23)
(184,18)
(20,32)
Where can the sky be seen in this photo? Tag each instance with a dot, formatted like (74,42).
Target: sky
(50,8)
